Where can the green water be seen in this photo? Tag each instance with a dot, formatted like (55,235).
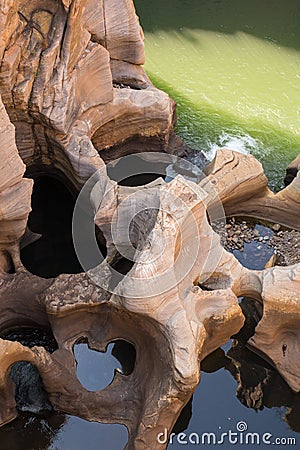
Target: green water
(233,68)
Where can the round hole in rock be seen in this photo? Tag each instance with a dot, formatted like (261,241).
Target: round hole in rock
(51,216)
(96,370)
(133,170)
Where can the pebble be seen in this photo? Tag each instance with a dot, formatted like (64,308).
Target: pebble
(284,242)
(276,227)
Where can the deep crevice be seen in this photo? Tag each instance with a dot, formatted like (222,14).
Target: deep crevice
(128,85)
(135,171)
(6,262)
(51,216)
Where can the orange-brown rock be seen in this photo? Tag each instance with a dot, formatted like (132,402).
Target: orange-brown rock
(70,73)
(292,170)
(276,336)
(72,84)
(15,193)
(243,189)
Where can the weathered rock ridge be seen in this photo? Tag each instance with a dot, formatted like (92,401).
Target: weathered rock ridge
(71,75)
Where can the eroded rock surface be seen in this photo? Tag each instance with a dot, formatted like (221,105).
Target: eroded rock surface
(60,62)
(15,193)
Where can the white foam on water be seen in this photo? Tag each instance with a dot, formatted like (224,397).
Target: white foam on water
(242,143)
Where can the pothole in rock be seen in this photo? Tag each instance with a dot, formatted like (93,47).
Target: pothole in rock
(249,241)
(29,393)
(96,370)
(133,170)
(216,281)
(51,217)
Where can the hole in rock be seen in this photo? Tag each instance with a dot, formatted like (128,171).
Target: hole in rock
(52,209)
(123,266)
(291,173)
(128,85)
(250,240)
(253,311)
(31,337)
(135,171)
(29,392)
(6,262)
(96,370)
(205,288)
(120,268)
(216,281)
(257,252)
(49,428)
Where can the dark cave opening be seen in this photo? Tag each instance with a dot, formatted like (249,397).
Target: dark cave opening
(133,170)
(51,216)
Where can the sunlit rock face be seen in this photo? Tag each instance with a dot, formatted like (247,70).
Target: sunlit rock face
(71,72)
(15,193)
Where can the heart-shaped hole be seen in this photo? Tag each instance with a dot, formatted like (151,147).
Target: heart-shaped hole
(96,370)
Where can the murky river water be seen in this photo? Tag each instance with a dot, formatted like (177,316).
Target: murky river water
(234,69)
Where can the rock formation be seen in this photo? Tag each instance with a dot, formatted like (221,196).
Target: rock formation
(277,334)
(72,84)
(15,193)
(71,75)
(292,170)
(243,189)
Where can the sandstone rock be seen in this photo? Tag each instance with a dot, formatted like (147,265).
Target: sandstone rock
(15,193)
(72,83)
(57,72)
(243,189)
